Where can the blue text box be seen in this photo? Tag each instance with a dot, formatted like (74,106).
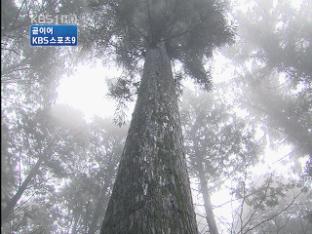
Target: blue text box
(54,35)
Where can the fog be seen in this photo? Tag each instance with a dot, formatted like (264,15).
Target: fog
(168,117)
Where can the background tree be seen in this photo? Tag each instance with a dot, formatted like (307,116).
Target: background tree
(87,193)
(219,145)
(76,172)
(273,83)
(272,203)
(272,55)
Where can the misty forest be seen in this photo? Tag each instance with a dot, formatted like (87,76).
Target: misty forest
(169,117)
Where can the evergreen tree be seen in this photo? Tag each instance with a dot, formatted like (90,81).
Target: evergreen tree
(219,145)
(151,192)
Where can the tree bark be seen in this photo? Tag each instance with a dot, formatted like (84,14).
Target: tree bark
(151,194)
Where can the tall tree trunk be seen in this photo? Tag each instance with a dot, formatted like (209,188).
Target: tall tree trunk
(213,229)
(151,193)
(100,204)
(13,201)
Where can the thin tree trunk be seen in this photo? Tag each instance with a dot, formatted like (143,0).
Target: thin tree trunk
(103,198)
(98,208)
(13,201)
(213,229)
(151,193)
(210,218)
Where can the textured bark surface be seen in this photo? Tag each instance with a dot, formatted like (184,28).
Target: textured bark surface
(152,194)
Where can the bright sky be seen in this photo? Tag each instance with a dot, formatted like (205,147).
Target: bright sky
(86,90)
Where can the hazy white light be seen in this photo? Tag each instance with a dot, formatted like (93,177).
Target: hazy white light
(87,91)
